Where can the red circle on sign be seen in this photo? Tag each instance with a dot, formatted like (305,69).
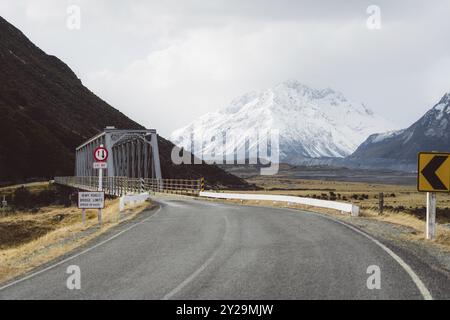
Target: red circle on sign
(100,154)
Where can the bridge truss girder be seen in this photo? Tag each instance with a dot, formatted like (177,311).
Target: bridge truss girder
(132,153)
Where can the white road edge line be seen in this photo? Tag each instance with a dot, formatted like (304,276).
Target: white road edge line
(78,254)
(415,278)
(200,269)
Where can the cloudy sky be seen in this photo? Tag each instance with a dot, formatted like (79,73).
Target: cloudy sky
(164,63)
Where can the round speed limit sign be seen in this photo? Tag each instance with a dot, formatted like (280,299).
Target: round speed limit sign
(100,154)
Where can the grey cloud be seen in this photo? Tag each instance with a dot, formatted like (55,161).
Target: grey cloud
(167,62)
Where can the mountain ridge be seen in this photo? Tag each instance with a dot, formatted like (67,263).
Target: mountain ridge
(431,132)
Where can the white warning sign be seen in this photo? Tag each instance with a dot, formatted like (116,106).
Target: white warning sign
(91,200)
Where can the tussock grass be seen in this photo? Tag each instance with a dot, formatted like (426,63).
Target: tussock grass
(408,220)
(398,198)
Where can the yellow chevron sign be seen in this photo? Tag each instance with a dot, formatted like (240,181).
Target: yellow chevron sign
(433,172)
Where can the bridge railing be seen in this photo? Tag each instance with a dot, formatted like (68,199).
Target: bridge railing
(119,186)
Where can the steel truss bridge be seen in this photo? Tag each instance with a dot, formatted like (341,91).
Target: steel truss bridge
(133,165)
(132,153)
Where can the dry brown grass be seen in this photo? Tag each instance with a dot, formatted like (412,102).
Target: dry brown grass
(400,198)
(32,187)
(408,220)
(66,232)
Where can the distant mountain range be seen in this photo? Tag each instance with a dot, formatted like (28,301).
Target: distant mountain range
(430,133)
(398,149)
(45,112)
(322,127)
(312,123)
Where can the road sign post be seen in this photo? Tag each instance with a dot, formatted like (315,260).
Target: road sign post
(100,166)
(100,156)
(100,179)
(431,216)
(433,172)
(83,216)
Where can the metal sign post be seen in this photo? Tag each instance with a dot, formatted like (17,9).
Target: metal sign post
(100,188)
(100,166)
(100,179)
(100,156)
(99,217)
(431,215)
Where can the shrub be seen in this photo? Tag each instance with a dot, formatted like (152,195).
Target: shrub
(45,197)
(23,198)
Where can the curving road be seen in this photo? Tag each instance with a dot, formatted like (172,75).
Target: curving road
(192,249)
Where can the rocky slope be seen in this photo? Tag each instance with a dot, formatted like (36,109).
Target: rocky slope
(430,133)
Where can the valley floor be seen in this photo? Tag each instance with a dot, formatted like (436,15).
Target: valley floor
(328,173)
(397,198)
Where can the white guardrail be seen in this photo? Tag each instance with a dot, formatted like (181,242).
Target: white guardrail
(343,207)
(133,199)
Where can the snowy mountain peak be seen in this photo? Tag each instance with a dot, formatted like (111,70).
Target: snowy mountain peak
(443,105)
(295,87)
(311,122)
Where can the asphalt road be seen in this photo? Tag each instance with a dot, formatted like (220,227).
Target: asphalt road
(193,249)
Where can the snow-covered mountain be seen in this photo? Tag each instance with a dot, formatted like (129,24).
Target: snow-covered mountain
(429,133)
(312,123)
